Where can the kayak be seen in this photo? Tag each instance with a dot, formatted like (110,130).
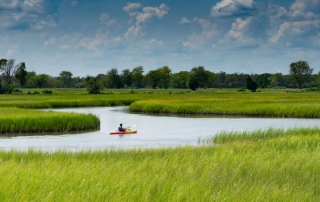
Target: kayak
(123,132)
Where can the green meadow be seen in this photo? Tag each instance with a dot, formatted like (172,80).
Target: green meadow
(268,103)
(263,165)
(259,167)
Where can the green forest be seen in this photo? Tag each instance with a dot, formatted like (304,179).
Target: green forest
(15,76)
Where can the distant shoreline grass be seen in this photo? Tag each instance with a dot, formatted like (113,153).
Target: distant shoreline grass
(271,103)
(281,168)
(258,135)
(286,105)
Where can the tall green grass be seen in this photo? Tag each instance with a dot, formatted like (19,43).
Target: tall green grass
(275,169)
(300,105)
(273,103)
(14,120)
(258,135)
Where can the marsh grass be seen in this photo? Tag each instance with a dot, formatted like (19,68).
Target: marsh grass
(276,104)
(283,168)
(270,165)
(14,120)
(269,103)
(258,135)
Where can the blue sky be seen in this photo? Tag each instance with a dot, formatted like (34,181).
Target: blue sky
(91,37)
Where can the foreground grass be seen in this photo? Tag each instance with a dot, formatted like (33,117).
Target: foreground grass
(14,120)
(280,168)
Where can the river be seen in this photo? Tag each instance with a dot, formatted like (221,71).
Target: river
(153,131)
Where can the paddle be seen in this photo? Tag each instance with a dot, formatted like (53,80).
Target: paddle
(134,125)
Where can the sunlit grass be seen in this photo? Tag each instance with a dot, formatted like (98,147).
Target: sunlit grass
(264,165)
(281,168)
(14,120)
(301,105)
(258,135)
(269,103)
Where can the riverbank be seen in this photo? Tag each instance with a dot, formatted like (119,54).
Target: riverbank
(279,168)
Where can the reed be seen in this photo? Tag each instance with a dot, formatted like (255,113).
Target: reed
(14,120)
(258,135)
(271,103)
(275,169)
(299,105)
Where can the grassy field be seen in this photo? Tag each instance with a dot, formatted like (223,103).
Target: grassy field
(263,167)
(269,103)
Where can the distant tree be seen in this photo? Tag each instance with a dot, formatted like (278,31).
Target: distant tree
(289,81)
(54,82)
(42,80)
(231,80)
(301,72)
(113,79)
(212,79)
(318,79)
(94,86)
(30,79)
(165,76)
(263,80)
(137,77)
(153,78)
(66,79)
(78,82)
(222,78)
(193,83)
(242,79)
(277,79)
(198,78)
(251,85)
(126,77)
(8,70)
(21,74)
(180,79)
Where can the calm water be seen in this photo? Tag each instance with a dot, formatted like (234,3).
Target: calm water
(153,131)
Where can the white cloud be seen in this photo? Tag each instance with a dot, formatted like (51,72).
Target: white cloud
(298,21)
(131,7)
(283,27)
(135,32)
(105,19)
(74,3)
(199,41)
(316,40)
(239,31)
(17,14)
(184,21)
(149,12)
(49,42)
(226,8)
(150,45)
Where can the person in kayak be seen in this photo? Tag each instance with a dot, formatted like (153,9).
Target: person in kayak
(120,128)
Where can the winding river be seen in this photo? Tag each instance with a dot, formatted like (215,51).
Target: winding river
(153,131)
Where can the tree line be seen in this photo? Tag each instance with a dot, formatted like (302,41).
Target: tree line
(15,76)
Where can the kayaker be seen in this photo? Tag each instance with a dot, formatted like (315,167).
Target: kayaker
(120,128)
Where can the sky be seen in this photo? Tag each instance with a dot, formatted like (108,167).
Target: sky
(90,37)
